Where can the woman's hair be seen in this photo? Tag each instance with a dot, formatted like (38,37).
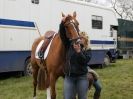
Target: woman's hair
(85,40)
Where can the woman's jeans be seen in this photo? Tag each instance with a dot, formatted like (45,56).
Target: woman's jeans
(76,85)
(98,89)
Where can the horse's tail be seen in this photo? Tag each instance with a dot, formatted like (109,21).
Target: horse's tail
(43,81)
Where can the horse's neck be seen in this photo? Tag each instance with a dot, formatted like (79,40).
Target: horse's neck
(60,46)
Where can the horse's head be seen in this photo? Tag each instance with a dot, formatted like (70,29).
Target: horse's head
(70,27)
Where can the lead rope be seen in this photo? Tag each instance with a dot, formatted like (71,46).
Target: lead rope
(37,29)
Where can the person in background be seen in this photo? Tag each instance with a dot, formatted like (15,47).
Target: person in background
(93,77)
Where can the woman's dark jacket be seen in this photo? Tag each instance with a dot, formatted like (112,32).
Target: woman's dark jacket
(76,64)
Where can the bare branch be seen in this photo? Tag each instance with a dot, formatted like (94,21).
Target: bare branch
(124,8)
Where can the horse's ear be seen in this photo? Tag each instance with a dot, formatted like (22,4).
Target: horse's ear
(74,14)
(63,15)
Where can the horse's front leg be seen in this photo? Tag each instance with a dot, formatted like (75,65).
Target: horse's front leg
(53,79)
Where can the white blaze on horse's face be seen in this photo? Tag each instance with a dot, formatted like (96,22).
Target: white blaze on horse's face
(72,23)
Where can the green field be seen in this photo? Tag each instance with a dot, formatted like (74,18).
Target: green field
(117,83)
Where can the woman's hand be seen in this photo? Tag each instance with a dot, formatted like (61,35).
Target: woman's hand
(77,47)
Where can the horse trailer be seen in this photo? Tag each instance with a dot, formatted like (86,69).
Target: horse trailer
(125,39)
(21,21)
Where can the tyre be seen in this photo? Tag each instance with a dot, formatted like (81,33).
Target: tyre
(28,68)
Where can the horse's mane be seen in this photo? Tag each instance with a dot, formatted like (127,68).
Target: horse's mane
(64,38)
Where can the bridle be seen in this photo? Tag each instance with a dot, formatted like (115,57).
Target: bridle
(75,27)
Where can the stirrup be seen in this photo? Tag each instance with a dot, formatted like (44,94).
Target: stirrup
(41,54)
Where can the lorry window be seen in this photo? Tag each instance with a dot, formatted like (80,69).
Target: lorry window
(35,1)
(97,22)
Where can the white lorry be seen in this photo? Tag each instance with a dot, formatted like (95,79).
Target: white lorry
(19,20)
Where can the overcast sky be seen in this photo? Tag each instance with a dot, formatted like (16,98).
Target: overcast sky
(103,1)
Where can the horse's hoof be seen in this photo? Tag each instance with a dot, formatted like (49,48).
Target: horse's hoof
(48,93)
(34,97)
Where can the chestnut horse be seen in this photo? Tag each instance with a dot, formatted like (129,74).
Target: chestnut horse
(46,74)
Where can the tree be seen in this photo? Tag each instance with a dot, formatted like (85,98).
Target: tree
(124,8)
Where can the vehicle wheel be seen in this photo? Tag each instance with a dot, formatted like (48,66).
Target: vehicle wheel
(28,68)
(101,66)
(106,61)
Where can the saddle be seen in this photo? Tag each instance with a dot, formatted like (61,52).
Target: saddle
(47,38)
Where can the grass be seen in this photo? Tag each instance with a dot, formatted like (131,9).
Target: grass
(116,80)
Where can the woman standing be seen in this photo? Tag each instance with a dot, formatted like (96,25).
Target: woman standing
(76,81)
